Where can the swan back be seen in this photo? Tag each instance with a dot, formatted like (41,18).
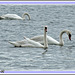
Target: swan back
(50,40)
(38,39)
(11,16)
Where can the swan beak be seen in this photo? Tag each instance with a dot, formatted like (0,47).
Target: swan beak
(69,36)
(46,30)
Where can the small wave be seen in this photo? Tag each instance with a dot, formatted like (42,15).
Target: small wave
(70,26)
(71,46)
(5,58)
(6,30)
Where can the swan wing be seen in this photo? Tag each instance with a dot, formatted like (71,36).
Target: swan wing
(11,16)
(14,43)
(26,43)
(19,43)
(52,41)
(32,42)
(39,39)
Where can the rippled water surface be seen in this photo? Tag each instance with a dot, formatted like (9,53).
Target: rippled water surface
(57,18)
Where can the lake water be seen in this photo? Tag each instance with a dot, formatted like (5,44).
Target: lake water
(57,18)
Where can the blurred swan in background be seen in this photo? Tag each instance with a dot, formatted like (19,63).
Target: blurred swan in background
(14,17)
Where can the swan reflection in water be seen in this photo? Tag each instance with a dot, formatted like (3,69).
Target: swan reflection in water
(14,17)
(45,51)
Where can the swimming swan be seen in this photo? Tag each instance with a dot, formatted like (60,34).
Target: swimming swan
(52,41)
(14,17)
(31,43)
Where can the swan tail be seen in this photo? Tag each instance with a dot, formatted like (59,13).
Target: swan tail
(1,18)
(11,43)
(24,37)
(14,43)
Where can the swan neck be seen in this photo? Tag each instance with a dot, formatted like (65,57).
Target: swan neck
(60,38)
(45,40)
(24,16)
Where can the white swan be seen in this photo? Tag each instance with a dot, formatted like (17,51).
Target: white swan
(14,17)
(52,41)
(31,43)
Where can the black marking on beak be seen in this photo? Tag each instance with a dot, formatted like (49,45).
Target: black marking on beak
(69,36)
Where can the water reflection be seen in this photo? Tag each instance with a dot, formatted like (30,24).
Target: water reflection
(44,52)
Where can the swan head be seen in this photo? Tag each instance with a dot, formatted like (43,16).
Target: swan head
(69,34)
(45,28)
